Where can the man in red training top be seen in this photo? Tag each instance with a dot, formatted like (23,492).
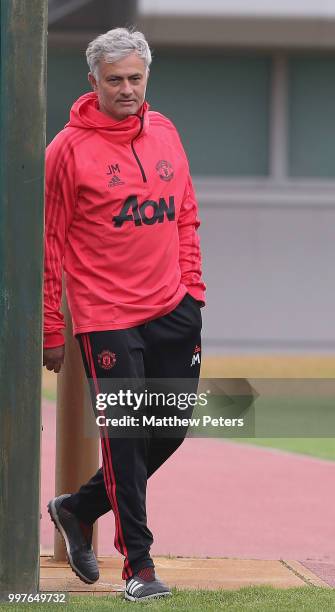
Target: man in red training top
(121,221)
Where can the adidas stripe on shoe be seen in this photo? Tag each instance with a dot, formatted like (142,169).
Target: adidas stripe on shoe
(138,589)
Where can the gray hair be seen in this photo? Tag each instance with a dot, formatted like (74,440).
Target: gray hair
(115,45)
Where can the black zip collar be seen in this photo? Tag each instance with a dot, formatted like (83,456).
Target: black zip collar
(141,118)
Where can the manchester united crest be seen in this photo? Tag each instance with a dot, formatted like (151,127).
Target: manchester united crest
(165,170)
(106,360)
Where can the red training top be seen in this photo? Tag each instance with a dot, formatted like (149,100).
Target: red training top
(121,218)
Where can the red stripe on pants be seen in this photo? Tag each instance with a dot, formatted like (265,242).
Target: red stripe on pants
(108,469)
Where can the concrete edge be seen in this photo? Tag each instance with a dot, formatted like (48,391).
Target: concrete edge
(305,574)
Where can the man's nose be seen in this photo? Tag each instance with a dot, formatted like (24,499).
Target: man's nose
(126,88)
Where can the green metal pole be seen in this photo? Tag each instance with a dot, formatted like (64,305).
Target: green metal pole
(22,125)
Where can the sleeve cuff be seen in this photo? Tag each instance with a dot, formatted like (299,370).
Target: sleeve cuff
(53,339)
(197,293)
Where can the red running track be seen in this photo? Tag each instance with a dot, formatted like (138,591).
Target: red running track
(221,499)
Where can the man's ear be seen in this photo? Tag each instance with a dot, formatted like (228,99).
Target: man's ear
(92,81)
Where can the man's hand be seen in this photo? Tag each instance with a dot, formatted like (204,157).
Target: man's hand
(53,358)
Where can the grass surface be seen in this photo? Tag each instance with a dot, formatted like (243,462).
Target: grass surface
(251,598)
(322,448)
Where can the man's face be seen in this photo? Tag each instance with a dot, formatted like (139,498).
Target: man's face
(120,86)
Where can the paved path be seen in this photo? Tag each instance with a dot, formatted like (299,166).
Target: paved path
(221,499)
(184,574)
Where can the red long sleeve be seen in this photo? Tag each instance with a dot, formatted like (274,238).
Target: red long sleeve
(59,207)
(189,244)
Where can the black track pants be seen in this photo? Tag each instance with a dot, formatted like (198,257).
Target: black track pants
(165,348)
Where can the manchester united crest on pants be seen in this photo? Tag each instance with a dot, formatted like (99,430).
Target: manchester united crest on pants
(106,359)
